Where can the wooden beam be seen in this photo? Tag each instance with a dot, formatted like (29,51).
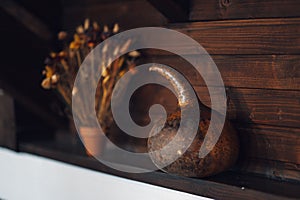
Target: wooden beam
(31,105)
(173,10)
(240,71)
(30,21)
(237,37)
(228,186)
(7,121)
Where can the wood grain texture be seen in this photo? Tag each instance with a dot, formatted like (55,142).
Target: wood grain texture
(247,71)
(258,106)
(259,36)
(245,106)
(235,9)
(271,169)
(270,143)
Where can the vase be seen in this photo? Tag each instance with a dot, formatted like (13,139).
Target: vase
(92,140)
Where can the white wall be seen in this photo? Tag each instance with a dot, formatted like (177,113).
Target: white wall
(25,176)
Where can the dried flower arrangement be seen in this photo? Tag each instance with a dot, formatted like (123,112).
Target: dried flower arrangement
(61,68)
(60,73)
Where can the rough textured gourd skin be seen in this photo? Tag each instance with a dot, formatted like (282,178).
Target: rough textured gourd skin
(222,157)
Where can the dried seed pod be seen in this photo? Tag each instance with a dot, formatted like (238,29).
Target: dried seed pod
(105,34)
(91,44)
(62,35)
(53,55)
(46,83)
(105,29)
(80,29)
(54,79)
(86,24)
(134,54)
(74,45)
(48,71)
(116,28)
(62,54)
(96,26)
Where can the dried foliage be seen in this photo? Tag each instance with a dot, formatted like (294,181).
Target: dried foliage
(61,68)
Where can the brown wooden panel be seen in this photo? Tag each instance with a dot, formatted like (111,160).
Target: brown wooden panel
(129,14)
(248,71)
(259,36)
(257,106)
(235,9)
(7,121)
(271,168)
(245,106)
(270,143)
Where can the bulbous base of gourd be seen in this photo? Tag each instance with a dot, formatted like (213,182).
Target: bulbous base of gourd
(222,157)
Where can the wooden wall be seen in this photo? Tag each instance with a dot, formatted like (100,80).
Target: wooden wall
(256,46)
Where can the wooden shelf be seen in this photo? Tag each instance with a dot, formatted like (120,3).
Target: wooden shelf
(227,185)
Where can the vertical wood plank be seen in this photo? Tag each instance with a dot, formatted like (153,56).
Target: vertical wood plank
(7,121)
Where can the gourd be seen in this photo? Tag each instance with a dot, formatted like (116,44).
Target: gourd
(222,156)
